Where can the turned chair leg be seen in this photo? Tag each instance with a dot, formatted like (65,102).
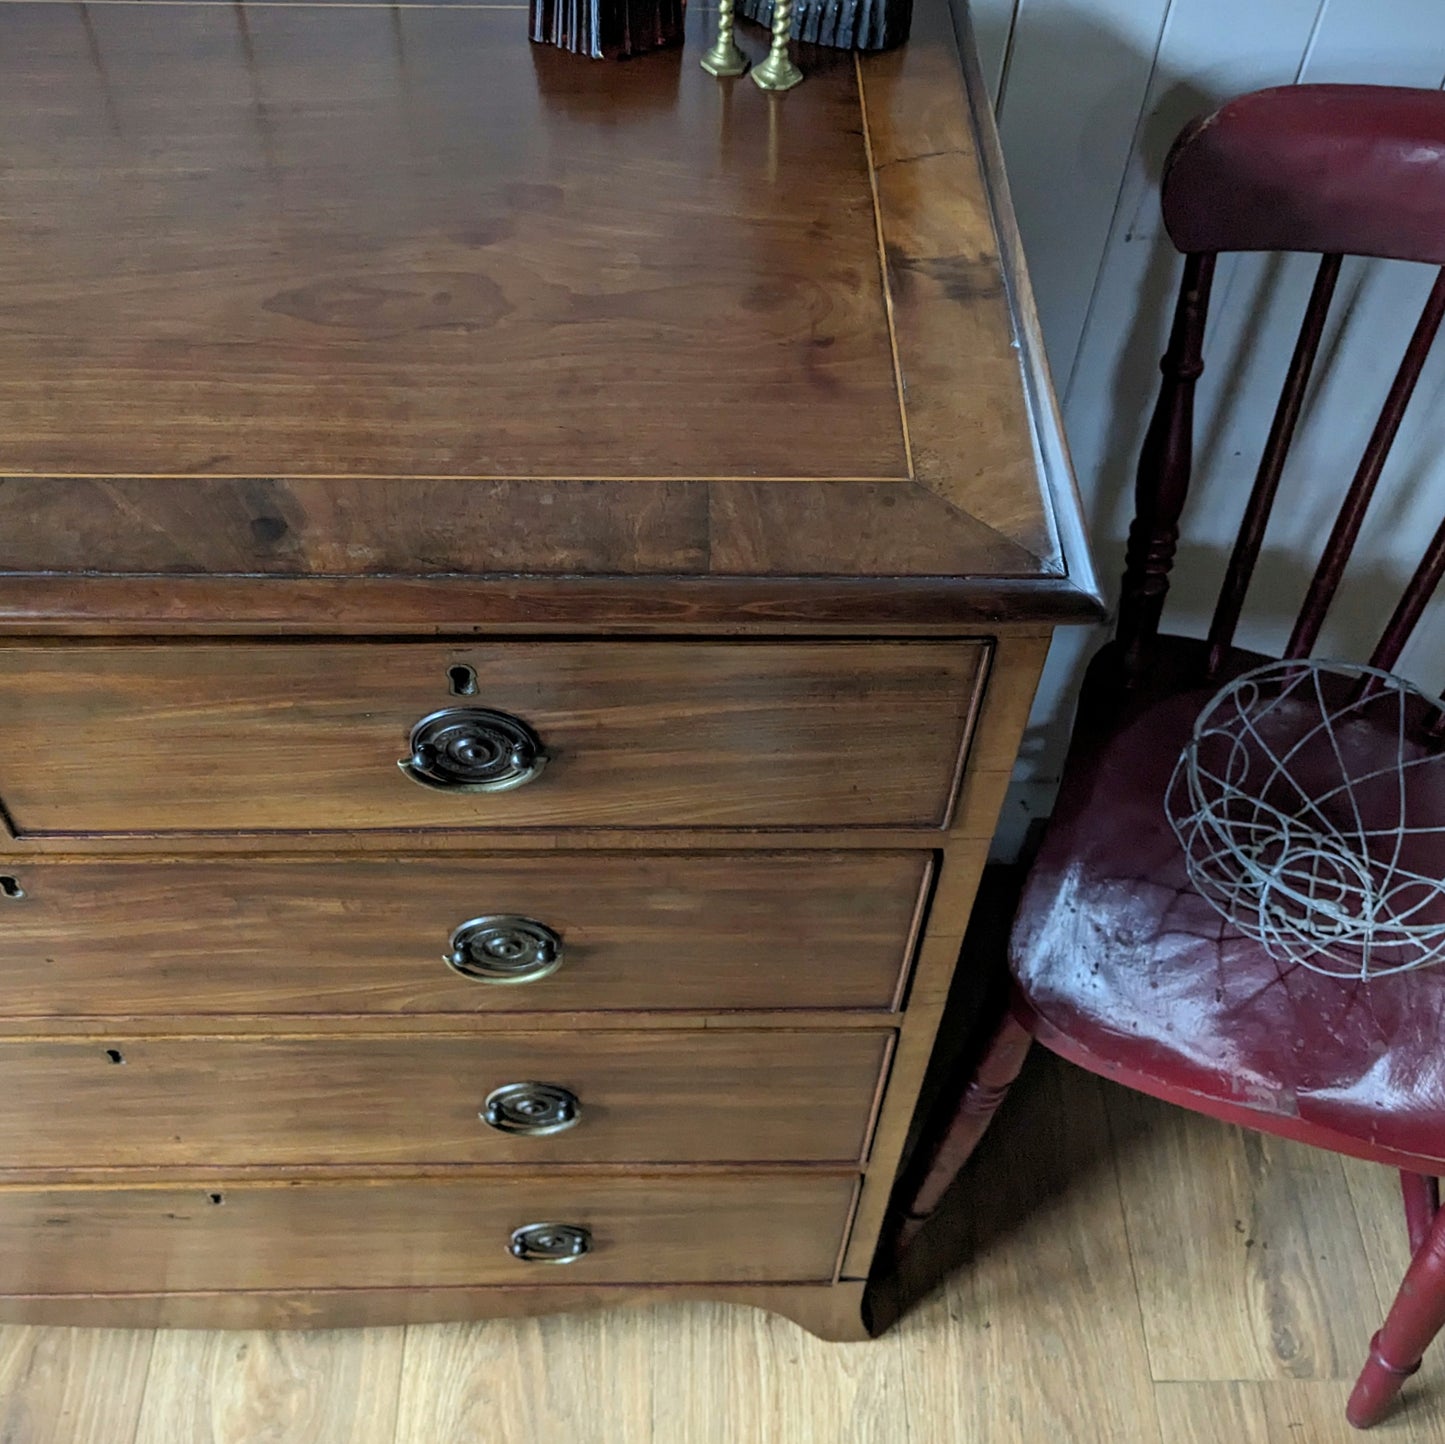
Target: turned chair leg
(1417,1314)
(986,1090)
(1422,1203)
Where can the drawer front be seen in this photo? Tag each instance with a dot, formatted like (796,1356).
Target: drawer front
(663,1097)
(117,739)
(142,939)
(217,1235)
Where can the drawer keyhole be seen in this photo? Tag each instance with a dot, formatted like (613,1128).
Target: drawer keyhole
(115,1055)
(463,680)
(10,887)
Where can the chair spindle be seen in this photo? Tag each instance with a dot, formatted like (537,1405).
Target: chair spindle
(1352,514)
(1422,1203)
(1406,618)
(1266,482)
(1165,463)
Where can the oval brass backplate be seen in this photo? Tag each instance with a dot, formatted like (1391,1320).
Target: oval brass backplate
(555,1243)
(531,1109)
(473,749)
(504,948)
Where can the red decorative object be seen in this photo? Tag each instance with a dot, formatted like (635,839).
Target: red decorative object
(607,29)
(1118,964)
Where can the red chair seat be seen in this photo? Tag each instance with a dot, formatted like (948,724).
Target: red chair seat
(1124,968)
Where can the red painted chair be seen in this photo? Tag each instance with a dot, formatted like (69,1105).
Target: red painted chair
(1118,965)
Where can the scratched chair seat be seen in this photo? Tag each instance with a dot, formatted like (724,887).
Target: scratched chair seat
(1123,968)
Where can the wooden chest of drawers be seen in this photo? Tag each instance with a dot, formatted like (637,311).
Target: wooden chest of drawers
(521,584)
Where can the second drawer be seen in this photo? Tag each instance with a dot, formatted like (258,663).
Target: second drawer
(145,939)
(660,1097)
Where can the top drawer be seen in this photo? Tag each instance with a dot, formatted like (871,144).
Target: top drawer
(98,739)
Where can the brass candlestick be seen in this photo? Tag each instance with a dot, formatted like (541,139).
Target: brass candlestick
(724,59)
(778,72)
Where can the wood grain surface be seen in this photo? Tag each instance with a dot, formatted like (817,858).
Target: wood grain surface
(421,313)
(60,1386)
(665,1097)
(242,737)
(418,253)
(218,1235)
(53,604)
(270,1388)
(1039,1337)
(999,731)
(829,1310)
(644,931)
(1283,1308)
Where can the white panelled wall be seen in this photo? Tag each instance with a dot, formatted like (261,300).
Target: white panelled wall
(1089,94)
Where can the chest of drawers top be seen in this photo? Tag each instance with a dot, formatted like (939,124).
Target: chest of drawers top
(376,317)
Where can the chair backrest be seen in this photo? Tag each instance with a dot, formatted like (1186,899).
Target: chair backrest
(1332,169)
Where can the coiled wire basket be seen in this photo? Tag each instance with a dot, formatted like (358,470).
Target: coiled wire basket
(1310,804)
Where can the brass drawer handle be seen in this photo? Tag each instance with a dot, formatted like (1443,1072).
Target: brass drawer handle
(504,949)
(530,1109)
(473,749)
(555,1243)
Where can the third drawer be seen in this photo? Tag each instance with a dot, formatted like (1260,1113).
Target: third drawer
(668,1096)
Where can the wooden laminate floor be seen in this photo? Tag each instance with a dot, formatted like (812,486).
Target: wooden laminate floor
(1140,1275)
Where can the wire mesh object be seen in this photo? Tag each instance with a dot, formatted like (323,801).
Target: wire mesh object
(1310,804)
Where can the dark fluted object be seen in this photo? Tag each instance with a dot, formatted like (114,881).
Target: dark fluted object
(607,29)
(843,24)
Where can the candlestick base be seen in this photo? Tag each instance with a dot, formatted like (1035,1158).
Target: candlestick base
(777,72)
(724,60)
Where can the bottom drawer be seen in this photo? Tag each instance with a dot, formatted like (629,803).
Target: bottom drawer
(780,1228)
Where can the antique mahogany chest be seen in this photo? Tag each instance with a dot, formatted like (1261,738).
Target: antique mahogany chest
(521,583)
